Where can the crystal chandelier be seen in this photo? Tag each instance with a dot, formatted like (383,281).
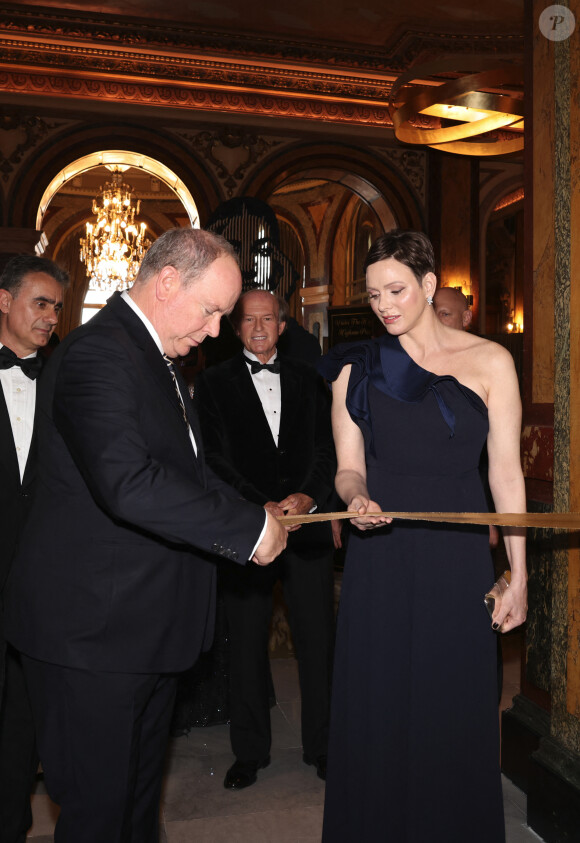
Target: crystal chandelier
(114,246)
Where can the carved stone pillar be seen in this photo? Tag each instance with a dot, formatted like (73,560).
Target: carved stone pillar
(541,738)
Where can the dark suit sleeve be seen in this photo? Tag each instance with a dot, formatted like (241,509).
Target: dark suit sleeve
(216,441)
(135,456)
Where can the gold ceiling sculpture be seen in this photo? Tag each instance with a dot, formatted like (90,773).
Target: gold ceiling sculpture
(477,113)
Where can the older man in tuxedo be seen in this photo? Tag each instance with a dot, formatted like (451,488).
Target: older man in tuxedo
(113,587)
(266,424)
(31,294)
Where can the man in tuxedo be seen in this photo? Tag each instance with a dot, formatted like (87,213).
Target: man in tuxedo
(112,591)
(266,423)
(31,293)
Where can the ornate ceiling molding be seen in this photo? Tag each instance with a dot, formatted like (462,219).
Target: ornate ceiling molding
(226,75)
(82,56)
(409,47)
(137,34)
(178,96)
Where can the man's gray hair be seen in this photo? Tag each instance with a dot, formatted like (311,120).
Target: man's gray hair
(235,316)
(190,250)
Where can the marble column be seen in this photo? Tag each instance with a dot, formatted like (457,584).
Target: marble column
(542,736)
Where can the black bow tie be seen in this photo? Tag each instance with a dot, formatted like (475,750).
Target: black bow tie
(256,366)
(31,366)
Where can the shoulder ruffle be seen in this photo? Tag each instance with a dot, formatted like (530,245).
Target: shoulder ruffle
(385,364)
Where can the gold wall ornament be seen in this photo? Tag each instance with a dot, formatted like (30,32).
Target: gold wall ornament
(114,245)
(472,114)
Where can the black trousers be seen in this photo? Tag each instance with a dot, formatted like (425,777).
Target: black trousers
(308,591)
(102,739)
(18,757)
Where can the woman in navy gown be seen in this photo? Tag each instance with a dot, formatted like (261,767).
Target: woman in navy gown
(414,746)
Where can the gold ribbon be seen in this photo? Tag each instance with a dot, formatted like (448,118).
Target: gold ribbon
(546,521)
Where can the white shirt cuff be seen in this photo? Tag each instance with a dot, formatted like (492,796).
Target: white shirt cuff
(262,534)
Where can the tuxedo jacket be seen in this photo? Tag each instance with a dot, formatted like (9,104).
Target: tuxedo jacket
(15,494)
(241,449)
(115,570)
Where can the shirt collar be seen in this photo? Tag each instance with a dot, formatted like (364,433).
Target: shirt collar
(148,324)
(28,356)
(252,356)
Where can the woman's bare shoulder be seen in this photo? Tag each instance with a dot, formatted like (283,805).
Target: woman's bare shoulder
(487,350)
(481,364)
(493,351)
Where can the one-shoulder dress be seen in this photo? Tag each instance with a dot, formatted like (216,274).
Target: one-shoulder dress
(414,742)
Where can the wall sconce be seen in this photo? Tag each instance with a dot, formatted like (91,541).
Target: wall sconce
(514,327)
(468,296)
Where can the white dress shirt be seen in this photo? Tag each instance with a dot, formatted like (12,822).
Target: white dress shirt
(155,336)
(267,385)
(20,396)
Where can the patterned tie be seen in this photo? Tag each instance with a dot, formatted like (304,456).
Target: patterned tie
(31,366)
(177,389)
(255,366)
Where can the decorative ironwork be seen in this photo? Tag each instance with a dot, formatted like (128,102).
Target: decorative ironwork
(252,147)
(33,129)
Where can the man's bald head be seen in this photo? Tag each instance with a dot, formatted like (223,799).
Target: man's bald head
(452,308)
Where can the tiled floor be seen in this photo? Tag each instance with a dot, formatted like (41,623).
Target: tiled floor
(285,806)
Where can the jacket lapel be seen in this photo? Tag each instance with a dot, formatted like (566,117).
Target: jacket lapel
(290,388)
(159,368)
(8,458)
(191,415)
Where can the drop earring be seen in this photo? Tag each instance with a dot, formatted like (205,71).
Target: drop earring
(429,299)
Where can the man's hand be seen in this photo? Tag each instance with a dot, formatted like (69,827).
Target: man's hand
(296,504)
(273,542)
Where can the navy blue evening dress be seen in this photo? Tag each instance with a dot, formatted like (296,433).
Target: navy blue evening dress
(414,741)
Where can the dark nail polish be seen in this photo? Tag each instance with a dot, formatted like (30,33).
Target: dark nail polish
(495,626)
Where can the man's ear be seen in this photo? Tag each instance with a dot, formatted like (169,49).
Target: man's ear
(281,328)
(466,318)
(166,282)
(5,301)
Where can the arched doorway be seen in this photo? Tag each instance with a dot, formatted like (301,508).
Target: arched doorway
(66,207)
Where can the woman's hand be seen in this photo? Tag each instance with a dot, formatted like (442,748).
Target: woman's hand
(365,507)
(511,610)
